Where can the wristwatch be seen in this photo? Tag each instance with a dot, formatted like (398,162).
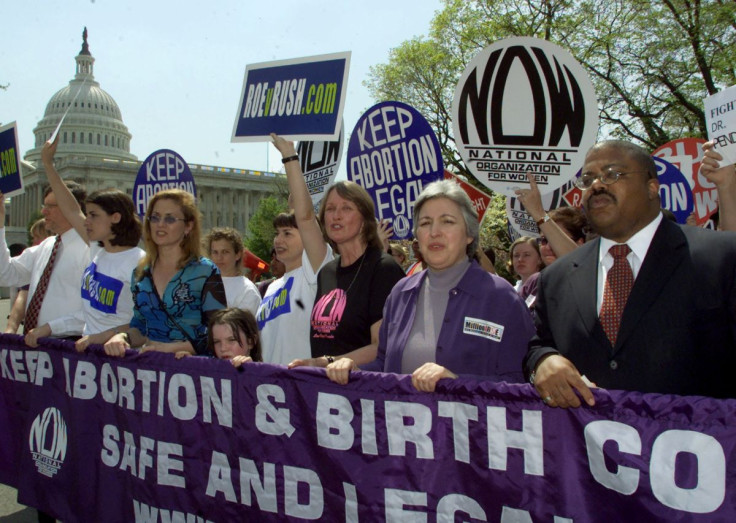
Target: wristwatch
(543,219)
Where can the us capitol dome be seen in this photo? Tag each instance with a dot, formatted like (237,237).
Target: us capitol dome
(94,150)
(93,125)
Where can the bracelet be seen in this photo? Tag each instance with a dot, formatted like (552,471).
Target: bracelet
(290,158)
(543,220)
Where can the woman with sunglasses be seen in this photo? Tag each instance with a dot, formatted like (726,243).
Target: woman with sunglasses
(175,289)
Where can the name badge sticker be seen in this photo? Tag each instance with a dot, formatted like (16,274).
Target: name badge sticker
(483,328)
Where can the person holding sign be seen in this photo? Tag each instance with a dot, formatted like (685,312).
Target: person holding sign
(559,239)
(175,289)
(283,316)
(225,249)
(353,288)
(650,306)
(52,269)
(455,318)
(724,177)
(113,229)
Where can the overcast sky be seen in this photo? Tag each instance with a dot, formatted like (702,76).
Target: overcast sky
(177,71)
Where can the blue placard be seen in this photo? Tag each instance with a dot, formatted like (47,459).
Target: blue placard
(11,181)
(299,99)
(163,169)
(674,190)
(393,153)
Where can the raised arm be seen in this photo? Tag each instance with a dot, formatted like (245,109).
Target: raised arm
(724,177)
(68,204)
(309,230)
(560,242)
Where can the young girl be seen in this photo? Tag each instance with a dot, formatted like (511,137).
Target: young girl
(232,335)
(113,228)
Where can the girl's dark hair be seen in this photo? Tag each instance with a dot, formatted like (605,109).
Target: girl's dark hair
(285,219)
(238,320)
(127,232)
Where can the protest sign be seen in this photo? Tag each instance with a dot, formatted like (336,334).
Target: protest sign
(11,177)
(524,105)
(720,118)
(479,199)
(393,153)
(319,162)
(521,222)
(674,190)
(687,154)
(298,99)
(161,170)
(151,438)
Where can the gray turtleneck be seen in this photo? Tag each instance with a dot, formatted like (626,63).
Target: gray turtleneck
(421,347)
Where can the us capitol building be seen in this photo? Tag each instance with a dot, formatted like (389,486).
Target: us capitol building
(94,150)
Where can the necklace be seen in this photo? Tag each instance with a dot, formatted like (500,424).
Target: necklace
(362,259)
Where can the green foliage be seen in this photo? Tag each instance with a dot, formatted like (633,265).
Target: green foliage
(259,238)
(651,62)
(494,233)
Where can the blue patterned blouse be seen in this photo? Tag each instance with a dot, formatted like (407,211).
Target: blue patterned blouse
(195,292)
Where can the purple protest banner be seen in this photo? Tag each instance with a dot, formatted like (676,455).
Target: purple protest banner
(151,438)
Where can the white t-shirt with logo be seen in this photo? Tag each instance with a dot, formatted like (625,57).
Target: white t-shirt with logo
(283,317)
(107,301)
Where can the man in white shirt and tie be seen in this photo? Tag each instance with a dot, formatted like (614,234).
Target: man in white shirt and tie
(659,318)
(63,292)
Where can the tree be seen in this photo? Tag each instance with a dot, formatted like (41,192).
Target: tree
(651,62)
(494,234)
(259,239)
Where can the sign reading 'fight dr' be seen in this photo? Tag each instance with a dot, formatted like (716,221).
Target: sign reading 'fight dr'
(524,105)
(298,99)
(393,153)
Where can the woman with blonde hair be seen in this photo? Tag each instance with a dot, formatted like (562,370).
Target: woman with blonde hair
(175,289)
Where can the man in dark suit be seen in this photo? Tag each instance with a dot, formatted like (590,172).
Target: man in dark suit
(675,329)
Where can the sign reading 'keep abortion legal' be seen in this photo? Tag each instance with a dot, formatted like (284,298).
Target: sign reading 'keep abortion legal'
(393,153)
(161,170)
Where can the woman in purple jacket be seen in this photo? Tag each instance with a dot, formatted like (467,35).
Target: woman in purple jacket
(453,318)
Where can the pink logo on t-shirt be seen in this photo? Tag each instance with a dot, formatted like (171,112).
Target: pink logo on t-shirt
(327,313)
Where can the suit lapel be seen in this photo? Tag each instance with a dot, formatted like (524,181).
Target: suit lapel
(665,254)
(583,278)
